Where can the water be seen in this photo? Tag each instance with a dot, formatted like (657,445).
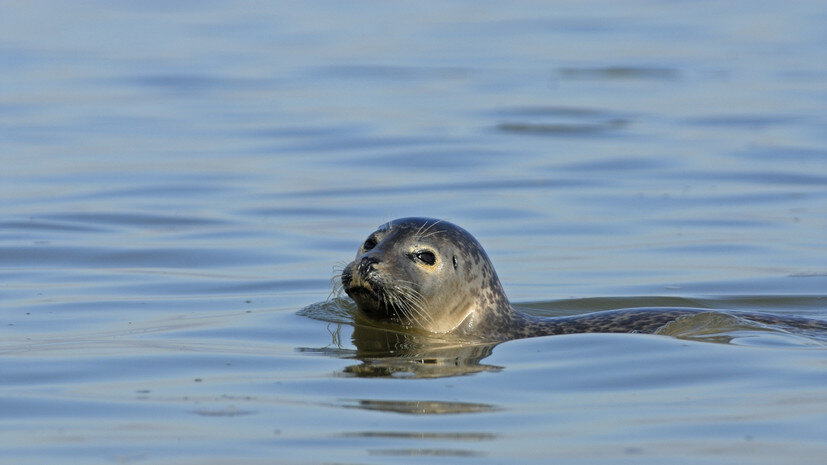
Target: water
(178,181)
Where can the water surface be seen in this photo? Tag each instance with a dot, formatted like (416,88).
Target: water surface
(179,180)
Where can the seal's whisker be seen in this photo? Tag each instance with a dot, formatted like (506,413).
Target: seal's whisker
(404,301)
(419,231)
(424,233)
(395,301)
(336,286)
(416,310)
(405,309)
(414,301)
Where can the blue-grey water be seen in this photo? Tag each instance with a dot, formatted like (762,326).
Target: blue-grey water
(179,179)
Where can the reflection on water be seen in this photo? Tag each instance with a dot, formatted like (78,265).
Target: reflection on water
(458,437)
(419,407)
(428,452)
(451,436)
(386,353)
(389,352)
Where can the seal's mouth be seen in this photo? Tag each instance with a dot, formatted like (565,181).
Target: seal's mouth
(370,303)
(361,293)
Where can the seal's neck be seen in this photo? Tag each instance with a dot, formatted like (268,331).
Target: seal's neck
(503,322)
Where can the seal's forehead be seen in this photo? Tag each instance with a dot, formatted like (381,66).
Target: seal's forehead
(426,228)
(419,228)
(412,223)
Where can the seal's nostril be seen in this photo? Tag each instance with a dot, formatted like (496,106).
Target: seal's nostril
(367,265)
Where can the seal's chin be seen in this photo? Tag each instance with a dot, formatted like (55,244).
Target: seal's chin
(365,298)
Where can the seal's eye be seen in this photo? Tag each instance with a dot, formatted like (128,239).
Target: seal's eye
(455,262)
(369,244)
(427,258)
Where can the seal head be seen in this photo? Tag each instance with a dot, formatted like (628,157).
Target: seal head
(425,274)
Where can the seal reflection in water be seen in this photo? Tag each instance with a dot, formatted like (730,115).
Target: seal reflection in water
(431,276)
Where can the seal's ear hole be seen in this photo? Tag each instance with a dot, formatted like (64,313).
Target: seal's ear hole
(455,262)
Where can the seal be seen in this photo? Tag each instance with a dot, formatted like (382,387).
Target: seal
(432,276)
